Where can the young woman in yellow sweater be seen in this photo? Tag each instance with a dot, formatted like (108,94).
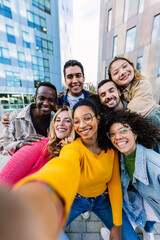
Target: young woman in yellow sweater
(82,172)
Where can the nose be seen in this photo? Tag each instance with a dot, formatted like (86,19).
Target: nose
(46,102)
(81,124)
(117,135)
(74,79)
(121,71)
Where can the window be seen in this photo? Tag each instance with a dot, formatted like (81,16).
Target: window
(158,71)
(5,56)
(40,64)
(37,22)
(141,6)
(5,9)
(106,72)
(38,79)
(130,39)
(109,20)
(13,79)
(21,59)
(139,63)
(44,5)
(25,39)
(44,45)
(114,52)
(155,29)
(132,8)
(10,34)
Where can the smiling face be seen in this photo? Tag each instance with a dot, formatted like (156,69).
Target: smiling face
(124,140)
(86,124)
(122,72)
(45,101)
(63,125)
(109,95)
(74,80)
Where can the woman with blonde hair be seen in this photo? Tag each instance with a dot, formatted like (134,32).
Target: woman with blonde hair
(135,89)
(31,158)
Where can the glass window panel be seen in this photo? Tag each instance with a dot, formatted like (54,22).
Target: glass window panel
(46,62)
(36,19)
(141,6)
(40,61)
(34,60)
(109,19)
(26,98)
(115,41)
(30,16)
(126,10)
(139,63)
(7,3)
(130,39)
(44,43)
(158,71)
(43,22)
(25,36)
(10,29)
(5,53)
(50,45)
(155,29)
(21,56)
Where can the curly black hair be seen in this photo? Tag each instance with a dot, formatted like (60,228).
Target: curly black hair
(147,134)
(103,141)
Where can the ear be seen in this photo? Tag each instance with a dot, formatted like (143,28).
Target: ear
(119,92)
(135,136)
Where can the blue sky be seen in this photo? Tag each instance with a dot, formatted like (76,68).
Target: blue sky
(86,35)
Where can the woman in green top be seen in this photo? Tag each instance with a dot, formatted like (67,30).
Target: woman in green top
(135,137)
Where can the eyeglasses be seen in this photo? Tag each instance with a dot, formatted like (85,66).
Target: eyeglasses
(87,119)
(122,131)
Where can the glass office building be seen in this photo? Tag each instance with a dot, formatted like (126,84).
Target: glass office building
(35,41)
(131,28)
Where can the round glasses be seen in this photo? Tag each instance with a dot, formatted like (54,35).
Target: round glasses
(87,119)
(122,131)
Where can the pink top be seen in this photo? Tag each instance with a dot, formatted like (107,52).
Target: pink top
(27,160)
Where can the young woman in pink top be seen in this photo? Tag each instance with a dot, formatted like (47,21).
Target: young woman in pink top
(31,158)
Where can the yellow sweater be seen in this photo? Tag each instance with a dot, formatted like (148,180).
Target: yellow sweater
(79,170)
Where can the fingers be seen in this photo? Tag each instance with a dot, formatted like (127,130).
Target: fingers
(5,119)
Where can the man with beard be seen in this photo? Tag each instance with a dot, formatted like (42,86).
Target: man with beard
(32,122)
(110,95)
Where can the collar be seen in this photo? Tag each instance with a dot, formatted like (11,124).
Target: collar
(140,172)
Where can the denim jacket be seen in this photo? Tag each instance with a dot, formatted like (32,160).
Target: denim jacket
(146,182)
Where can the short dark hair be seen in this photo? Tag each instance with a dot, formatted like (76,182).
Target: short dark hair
(101,83)
(71,63)
(46,84)
(148,134)
(102,137)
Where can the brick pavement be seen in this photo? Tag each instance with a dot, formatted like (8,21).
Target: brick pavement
(81,229)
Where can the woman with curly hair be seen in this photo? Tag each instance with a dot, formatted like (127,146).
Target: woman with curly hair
(134,137)
(135,89)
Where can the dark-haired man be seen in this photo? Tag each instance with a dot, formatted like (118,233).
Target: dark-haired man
(74,79)
(32,122)
(110,95)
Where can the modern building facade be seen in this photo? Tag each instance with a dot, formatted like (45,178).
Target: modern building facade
(131,28)
(32,33)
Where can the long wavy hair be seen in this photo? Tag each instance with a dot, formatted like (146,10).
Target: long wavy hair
(148,135)
(137,75)
(101,136)
(55,145)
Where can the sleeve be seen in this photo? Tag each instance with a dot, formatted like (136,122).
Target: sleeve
(62,174)
(115,192)
(21,163)
(8,142)
(142,100)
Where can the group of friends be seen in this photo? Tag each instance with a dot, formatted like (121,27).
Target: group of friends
(77,151)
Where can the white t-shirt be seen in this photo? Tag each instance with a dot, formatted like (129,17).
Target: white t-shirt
(73,100)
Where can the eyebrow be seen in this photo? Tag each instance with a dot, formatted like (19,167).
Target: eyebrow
(120,66)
